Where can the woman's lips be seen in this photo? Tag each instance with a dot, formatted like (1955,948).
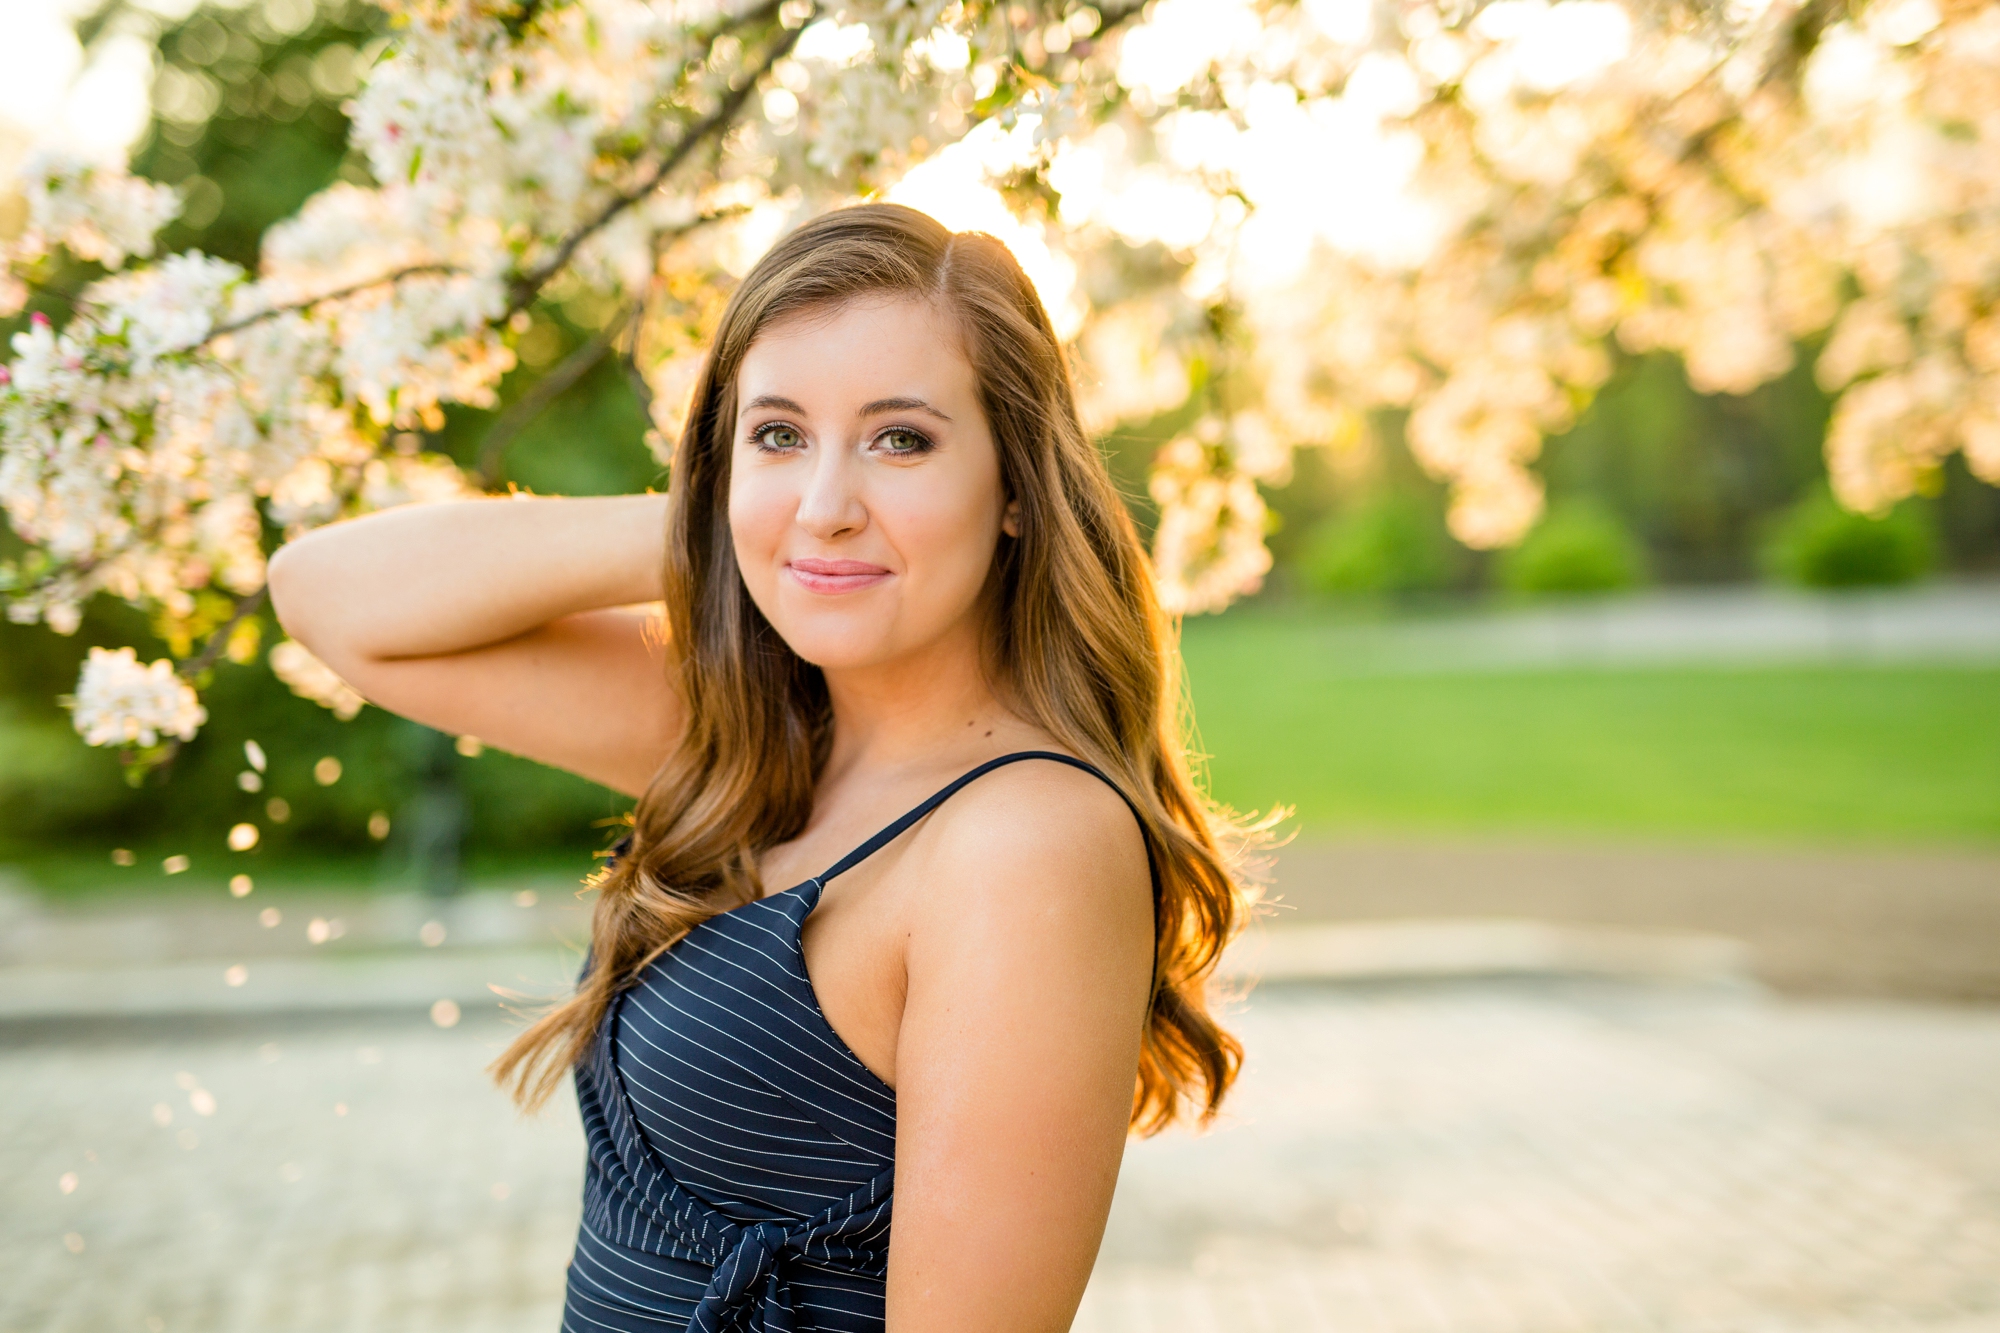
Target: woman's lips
(832,576)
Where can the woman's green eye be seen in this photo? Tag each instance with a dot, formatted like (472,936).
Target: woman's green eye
(778,437)
(905,441)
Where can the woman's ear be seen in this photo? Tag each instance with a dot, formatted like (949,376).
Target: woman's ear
(1010,519)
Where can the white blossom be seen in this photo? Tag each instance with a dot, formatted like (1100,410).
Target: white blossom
(120,702)
(1272,220)
(170,307)
(93,210)
(1209,546)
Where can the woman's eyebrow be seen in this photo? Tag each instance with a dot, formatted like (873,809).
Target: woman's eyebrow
(901,405)
(778,401)
(784,404)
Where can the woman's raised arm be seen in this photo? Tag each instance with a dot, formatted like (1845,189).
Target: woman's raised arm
(507,619)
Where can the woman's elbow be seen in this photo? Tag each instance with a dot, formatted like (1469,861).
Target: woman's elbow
(290,580)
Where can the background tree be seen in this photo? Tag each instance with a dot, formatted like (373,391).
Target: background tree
(1342,226)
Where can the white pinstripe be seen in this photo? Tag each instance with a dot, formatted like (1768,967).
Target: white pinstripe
(693,1159)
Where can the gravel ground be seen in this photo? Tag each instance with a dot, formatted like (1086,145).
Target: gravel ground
(1512,1156)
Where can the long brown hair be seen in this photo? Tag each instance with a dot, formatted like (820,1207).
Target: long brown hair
(1084,649)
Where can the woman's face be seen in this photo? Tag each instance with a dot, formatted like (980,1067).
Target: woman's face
(864,489)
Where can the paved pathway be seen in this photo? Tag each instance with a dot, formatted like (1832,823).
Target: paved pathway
(1466,1159)
(1934,623)
(428,1206)
(1848,921)
(1521,1157)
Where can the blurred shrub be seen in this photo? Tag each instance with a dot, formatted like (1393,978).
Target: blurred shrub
(1818,544)
(56,792)
(1697,475)
(1577,548)
(1391,544)
(49,779)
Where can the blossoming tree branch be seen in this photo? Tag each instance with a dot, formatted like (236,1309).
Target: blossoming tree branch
(1272,218)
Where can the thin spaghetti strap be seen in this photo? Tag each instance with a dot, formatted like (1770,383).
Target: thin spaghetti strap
(889,834)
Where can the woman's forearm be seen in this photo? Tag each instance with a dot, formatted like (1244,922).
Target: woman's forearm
(426,580)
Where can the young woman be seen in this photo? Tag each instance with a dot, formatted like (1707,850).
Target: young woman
(902,599)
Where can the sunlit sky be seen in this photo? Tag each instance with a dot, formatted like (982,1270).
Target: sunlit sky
(47,93)
(952,188)
(1333,170)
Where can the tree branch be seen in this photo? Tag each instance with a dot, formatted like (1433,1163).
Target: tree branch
(246,606)
(1799,39)
(530,283)
(527,285)
(517,22)
(339,293)
(628,362)
(523,410)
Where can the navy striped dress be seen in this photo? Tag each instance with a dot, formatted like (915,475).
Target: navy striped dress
(741,1157)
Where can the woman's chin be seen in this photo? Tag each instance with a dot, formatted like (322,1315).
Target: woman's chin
(838,643)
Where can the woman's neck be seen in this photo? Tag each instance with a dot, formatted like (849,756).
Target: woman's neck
(927,710)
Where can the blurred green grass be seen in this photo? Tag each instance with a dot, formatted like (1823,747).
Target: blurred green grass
(1289,714)
(1786,754)
(72,872)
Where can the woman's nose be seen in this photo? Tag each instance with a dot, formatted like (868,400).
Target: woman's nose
(831,504)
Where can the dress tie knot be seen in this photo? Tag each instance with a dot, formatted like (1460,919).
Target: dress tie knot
(731,1304)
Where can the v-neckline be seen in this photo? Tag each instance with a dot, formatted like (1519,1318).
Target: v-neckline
(804,974)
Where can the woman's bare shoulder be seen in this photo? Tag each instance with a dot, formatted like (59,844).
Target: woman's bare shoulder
(1028,970)
(1038,839)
